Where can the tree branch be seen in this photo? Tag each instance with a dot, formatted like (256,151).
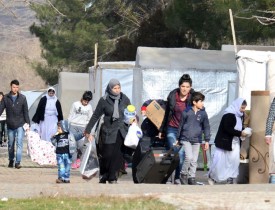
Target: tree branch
(2,3)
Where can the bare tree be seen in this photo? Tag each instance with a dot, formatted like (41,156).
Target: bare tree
(264,20)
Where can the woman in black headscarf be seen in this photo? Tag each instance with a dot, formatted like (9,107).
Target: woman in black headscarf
(113,130)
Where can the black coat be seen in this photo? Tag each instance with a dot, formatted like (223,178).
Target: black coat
(17,111)
(40,111)
(109,127)
(226,132)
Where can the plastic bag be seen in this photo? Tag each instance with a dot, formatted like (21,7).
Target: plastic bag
(89,164)
(133,136)
(248,131)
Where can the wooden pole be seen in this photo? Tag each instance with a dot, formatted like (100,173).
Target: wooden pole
(233,31)
(95,60)
(95,65)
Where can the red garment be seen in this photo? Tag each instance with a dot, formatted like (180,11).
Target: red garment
(180,106)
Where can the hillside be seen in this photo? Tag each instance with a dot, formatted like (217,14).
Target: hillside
(18,49)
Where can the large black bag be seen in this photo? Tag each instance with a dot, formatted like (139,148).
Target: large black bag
(157,165)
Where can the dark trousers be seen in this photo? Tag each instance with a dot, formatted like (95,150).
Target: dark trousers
(111,161)
(2,130)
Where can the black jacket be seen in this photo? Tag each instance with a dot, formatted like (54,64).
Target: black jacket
(40,111)
(17,112)
(226,132)
(169,111)
(109,127)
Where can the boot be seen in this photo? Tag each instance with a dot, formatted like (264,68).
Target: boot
(10,164)
(17,165)
(192,181)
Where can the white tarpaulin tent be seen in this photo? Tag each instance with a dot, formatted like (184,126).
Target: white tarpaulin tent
(157,71)
(256,72)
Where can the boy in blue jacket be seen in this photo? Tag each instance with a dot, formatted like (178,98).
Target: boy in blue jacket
(194,123)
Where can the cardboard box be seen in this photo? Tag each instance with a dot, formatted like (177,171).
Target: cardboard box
(155,113)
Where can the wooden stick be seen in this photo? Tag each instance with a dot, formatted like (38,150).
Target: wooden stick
(95,64)
(233,31)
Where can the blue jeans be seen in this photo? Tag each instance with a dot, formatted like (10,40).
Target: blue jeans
(171,137)
(78,131)
(64,166)
(12,134)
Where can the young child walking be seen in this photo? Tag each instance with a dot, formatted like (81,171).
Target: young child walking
(65,147)
(194,123)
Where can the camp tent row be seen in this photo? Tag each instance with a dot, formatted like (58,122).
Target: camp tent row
(156,72)
(220,75)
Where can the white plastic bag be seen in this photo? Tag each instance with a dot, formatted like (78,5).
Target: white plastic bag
(133,136)
(248,131)
(89,164)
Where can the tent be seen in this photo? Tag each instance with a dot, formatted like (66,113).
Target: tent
(156,72)
(99,78)
(71,87)
(33,98)
(256,72)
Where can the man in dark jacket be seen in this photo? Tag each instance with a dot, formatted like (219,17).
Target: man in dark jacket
(17,116)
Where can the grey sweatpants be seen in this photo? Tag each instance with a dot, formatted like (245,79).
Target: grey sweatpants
(191,156)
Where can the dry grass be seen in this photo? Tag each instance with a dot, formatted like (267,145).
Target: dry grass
(18,49)
(17,64)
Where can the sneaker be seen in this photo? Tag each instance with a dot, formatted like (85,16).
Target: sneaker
(66,181)
(192,181)
(10,164)
(74,165)
(230,181)
(211,181)
(59,181)
(177,182)
(183,179)
(78,162)
(17,165)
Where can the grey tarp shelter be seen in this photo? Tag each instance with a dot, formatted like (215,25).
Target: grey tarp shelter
(156,72)
(214,73)
(71,87)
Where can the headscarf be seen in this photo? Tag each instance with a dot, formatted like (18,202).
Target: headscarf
(51,103)
(234,108)
(51,97)
(108,92)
